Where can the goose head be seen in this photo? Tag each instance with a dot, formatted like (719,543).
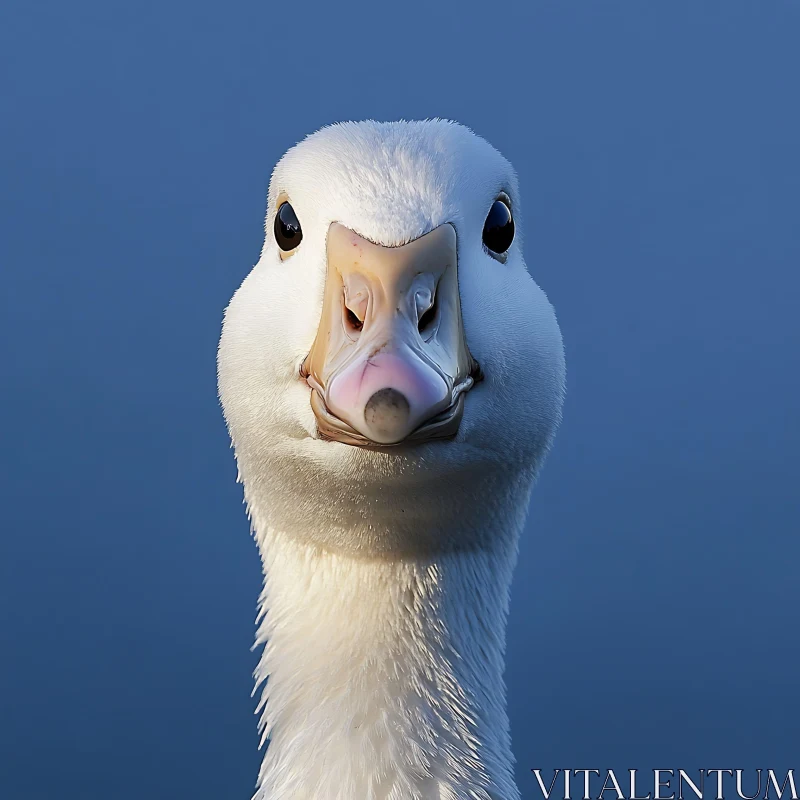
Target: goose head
(390,373)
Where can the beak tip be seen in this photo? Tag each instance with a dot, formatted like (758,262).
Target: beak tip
(386,416)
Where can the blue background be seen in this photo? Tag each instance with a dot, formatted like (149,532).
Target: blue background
(655,609)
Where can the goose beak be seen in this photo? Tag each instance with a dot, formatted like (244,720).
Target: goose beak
(390,361)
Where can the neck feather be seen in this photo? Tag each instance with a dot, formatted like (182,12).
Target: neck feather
(384,678)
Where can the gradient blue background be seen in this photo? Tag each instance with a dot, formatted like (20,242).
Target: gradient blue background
(655,609)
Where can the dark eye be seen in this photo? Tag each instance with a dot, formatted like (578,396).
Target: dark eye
(288,233)
(498,230)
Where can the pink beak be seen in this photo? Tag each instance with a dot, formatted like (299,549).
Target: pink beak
(390,360)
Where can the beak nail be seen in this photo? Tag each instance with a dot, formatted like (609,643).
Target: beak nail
(386,415)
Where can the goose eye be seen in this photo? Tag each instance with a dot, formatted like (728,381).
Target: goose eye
(498,230)
(288,233)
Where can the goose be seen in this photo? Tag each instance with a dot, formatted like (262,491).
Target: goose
(392,379)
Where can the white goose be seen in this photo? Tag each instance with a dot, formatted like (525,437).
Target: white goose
(392,379)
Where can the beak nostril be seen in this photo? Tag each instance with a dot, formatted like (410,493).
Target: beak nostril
(428,318)
(352,320)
